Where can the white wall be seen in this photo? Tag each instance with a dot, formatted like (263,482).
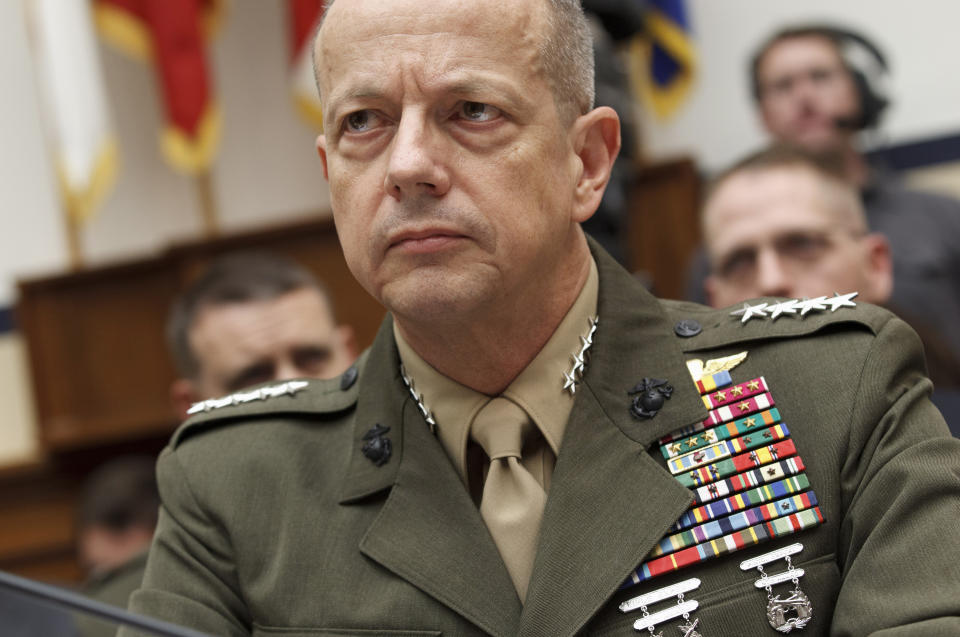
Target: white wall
(718,124)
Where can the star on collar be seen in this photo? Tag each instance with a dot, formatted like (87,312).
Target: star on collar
(837,301)
(773,311)
(808,305)
(749,311)
(784,307)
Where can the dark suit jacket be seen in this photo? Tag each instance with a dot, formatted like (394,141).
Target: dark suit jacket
(275,523)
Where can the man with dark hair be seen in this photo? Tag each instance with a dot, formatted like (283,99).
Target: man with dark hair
(817,86)
(116,519)
(249,319)
(531,442)
(782,222)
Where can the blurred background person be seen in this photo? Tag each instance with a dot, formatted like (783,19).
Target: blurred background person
(250,319)
(819,86)
(115,523)
(785,222)
(782,223)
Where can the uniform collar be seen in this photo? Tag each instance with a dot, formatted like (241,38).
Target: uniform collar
(538,388)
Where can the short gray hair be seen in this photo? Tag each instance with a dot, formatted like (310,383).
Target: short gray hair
(567,54)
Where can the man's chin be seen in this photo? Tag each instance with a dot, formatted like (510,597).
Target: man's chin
(435,297)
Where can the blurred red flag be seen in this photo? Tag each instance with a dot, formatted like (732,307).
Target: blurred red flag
(304,16)
(172,34)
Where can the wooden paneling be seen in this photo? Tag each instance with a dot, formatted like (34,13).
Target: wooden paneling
(98,358)
(101,375)
(664,230)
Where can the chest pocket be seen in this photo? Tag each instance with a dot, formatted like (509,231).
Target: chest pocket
(741,608)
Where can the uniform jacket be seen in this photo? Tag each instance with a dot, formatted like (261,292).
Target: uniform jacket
(275,523)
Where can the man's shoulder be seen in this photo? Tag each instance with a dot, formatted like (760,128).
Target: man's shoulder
(701,327)
(270,404)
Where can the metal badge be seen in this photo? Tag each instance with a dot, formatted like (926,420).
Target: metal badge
(684,607)
(648,396)
(377,448)
(794,611)
(773,311)
(575,375)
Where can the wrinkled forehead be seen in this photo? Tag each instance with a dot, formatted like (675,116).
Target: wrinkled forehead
(764,201)
(502,25)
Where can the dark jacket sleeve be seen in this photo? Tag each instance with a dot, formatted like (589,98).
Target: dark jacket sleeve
(190,577)
(898,548)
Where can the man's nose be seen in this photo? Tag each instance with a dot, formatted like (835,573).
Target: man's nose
(774,278)
(417,160)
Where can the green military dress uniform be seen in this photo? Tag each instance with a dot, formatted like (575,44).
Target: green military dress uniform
(274,522)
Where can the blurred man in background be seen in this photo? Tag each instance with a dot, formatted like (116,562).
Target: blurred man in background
(818,87)
(251,319)
(784,222)
(115,524)
(781,223)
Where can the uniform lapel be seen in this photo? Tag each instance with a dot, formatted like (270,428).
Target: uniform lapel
(609,501)
(428,532)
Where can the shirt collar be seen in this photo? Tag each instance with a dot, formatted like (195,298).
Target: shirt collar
(538,388)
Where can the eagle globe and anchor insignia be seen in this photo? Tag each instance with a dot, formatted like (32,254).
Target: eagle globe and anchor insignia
(648,396)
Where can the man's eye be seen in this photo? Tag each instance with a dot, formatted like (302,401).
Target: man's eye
(361,121)
(738,266)
(478,111)
(802,247)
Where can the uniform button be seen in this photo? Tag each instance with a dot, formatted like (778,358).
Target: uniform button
(687,328)
(349,378)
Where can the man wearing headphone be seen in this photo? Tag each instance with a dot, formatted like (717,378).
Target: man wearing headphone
(817,87)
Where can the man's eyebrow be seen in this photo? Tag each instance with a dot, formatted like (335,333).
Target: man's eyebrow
(479,87)
(363,92)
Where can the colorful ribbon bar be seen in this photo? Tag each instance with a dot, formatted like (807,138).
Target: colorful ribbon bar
(738,409)
(723,415)
(741,520)
(700,457)
(726,448)
(734,542)
(748,479)
(721,397)
(713,381)
(721,432)
(740,501)
(736,464)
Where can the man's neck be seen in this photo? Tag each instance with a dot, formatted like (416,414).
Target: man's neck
(486,353)
(855,167)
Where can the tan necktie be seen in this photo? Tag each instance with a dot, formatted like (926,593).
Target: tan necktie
(512,502)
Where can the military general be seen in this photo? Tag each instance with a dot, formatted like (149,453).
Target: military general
(534,445)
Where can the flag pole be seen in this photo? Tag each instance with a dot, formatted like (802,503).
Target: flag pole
(74,247)
(208,204)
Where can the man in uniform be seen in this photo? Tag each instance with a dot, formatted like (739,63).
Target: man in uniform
(819,86)
(252,318)
(500,460)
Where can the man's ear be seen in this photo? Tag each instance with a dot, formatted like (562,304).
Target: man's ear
(596,143)
(183,393)
(322,151)
(880,267)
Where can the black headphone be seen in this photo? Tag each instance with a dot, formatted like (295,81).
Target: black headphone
(863,59)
